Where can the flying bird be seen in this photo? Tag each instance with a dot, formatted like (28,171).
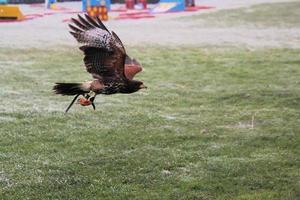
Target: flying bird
(105,59)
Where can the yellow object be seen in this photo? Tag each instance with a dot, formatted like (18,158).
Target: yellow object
(10,12)
(53,6)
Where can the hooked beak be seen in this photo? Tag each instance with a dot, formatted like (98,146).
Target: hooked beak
(143,86)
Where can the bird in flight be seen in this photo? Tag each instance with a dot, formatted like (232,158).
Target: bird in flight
(105,59)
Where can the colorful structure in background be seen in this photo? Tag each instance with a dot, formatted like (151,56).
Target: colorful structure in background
(9,12)
(142,4)
(129,4)
(98,11)
(95,3)
(190,3)
(139,4)
(169,6)
(97,8)
(50,4)
(173,5)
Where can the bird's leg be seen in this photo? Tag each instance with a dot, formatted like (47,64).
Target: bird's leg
(89,95)
(92,101)
(72,102)
(88,99)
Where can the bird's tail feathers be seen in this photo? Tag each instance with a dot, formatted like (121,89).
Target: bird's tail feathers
(70,88)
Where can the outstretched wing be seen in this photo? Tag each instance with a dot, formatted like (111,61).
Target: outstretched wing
(132,67)
(104,52)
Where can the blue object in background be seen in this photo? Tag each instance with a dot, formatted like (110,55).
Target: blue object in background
(49,2)
(180,5)
(86,3)
(3,1)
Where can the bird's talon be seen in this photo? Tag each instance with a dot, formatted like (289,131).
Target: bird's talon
(84,102)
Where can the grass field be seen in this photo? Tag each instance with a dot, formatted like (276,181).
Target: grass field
(280,15)
(215,123)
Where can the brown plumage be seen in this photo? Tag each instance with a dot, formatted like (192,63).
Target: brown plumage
(132,67)
(105,58)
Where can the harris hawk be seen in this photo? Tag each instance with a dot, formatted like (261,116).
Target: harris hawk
(105,59)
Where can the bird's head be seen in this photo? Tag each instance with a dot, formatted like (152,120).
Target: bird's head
(141,85)
(134,86)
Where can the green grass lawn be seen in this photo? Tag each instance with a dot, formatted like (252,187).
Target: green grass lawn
(215,123)
(283,15)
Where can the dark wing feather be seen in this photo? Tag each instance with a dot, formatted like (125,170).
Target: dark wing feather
(78,24)
(90,20)
(104,52)
(119,42)
(76,29)
(99,62)
(102,26)
(86,23)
